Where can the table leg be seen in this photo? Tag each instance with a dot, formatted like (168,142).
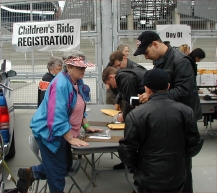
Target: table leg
(209,130)
(92,173)
(84,169)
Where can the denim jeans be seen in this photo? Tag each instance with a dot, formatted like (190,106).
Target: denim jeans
(53,166)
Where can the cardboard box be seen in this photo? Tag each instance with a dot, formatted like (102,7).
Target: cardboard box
(215,75)
(198,79)
(207,79)
(215,79)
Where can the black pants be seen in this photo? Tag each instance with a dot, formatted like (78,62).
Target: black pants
(188,183)
(142,189)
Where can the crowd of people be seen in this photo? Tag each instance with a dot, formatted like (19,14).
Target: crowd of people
(181,69)
(161,134)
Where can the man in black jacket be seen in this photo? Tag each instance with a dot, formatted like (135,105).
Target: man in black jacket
(128,82)
(158,137)
(183,86)
(119,60)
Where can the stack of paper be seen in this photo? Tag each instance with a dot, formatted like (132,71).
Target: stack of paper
(110,112)
(116,126)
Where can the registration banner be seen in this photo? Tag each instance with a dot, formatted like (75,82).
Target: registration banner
(176,34)
(61,35)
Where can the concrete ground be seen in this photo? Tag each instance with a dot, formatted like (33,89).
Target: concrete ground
(204,164)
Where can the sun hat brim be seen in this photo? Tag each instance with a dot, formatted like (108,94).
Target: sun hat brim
(79,63)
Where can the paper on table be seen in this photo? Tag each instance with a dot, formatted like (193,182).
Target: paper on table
(99,137)
(116,126)
(110,112)
(107,136)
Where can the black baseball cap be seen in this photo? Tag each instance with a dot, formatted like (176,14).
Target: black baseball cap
(156,79)
(145,39)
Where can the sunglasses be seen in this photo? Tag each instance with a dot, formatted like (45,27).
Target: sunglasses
(80,68)
(77,58)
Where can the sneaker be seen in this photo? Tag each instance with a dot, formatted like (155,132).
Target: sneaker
(25,179)
(119,166)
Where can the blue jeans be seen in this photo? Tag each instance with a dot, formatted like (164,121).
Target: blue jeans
(53,166)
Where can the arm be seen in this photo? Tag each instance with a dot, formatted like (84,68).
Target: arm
(117,101)
(58,114)
(118,98)
(194,141)
(183,82)
(129,145)
(128,88)
(87,127)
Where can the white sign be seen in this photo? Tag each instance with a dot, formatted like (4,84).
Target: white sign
(176,34)
(61,35)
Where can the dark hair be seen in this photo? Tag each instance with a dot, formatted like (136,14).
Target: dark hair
(117,55)
(107,71)
(197,52)
(109,64)
(167,43)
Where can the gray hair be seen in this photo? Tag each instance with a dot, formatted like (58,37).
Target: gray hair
(72,53)
(54,61)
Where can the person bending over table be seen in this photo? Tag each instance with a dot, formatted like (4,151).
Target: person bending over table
(118,59)
(128,82)
(56,126)
(159,136)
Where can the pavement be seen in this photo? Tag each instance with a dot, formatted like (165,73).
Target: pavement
(204,164)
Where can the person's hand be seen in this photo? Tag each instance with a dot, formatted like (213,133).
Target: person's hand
(92,130)
(77,142)
(117,107)
(143,98)
(120,118)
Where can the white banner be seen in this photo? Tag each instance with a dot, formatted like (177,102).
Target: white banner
(62,35)
(176,34)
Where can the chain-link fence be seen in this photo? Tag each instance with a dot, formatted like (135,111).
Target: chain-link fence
(104,25)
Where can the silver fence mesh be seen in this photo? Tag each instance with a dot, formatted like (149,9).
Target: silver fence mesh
(129,19)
